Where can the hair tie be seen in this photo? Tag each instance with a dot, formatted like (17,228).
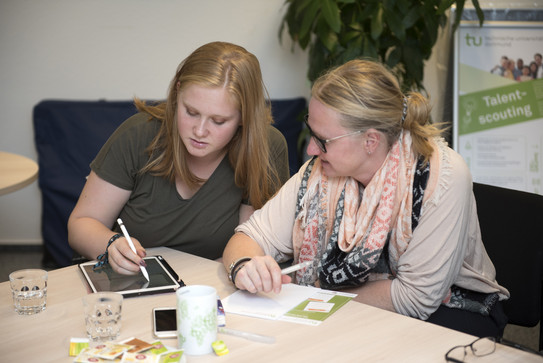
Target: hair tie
(404,112)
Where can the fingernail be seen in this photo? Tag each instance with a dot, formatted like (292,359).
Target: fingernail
(142,263)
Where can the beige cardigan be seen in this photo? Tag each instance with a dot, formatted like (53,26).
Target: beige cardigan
(446,247)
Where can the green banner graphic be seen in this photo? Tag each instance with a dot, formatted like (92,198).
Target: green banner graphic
(502,106)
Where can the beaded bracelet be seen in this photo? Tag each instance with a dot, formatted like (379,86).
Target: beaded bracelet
(103,258)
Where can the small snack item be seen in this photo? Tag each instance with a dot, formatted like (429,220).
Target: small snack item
(157,348)
(219,347)
(138,345)
(109,350)
(77,345)
(174,356)
(86,356)
(138,357)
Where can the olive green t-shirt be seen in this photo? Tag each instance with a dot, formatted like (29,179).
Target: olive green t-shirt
(155,213)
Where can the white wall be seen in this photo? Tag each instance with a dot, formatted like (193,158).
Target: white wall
(117,49)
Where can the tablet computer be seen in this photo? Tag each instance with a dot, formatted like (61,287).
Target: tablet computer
(162,278)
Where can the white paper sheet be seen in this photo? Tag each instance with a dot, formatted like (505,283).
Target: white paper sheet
(268,305)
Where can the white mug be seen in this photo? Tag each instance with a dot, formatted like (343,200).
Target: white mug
(196,319)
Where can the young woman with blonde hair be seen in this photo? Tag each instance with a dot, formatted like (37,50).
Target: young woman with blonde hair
(185,172)
(384,209)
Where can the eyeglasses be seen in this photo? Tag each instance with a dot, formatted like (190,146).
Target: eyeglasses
(481,347)
(322,143)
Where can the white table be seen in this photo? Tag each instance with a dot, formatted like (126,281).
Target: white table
(16,172)
(355,333)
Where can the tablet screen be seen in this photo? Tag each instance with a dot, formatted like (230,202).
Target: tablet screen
(106,279)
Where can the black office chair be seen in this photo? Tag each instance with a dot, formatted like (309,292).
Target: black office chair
(511,226)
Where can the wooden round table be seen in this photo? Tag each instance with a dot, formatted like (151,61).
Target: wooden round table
(16,172)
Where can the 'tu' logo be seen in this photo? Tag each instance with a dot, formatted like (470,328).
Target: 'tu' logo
(473,41)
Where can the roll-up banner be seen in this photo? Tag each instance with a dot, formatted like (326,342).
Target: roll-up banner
(498,118)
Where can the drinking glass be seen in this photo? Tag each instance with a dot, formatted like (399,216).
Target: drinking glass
(103,315)
(29,290)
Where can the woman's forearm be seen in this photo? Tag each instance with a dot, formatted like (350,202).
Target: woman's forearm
(88,237)
(374,293)
(240,245)
(89,225)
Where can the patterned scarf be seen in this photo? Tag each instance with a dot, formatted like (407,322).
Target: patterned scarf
(343,227)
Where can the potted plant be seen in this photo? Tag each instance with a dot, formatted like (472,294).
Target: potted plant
(399,33)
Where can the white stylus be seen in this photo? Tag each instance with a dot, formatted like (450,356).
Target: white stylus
(297,267)
(247,335)
(132,247)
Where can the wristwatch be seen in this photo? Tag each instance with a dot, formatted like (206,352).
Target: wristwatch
(234,265)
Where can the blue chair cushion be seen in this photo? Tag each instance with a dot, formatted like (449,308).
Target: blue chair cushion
(69,134)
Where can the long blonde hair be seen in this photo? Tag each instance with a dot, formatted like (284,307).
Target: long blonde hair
(367,95)
(219,64)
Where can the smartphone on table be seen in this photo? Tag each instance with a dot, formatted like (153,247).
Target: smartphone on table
(165,322)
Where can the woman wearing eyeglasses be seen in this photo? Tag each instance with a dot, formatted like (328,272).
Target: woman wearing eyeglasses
(383,209)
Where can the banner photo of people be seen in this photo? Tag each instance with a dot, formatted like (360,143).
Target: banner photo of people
(498,118)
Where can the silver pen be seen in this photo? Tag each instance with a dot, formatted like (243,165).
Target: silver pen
(132,247)
(297,267)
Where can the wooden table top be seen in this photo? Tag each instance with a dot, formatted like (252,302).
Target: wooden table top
(16,172)
(356,332)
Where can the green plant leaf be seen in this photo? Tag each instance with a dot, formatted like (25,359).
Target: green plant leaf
(395,23)
(318,55)
(330,11)
(346,37)
(326,35)
(431,23)
(308,18)
(290,20)
(444,6)
(301,7)
(330,41)
(367,10)
(369,49)
(412,16)
(305,41)
(401,33)
(356,26)
(377,23)
(458,14)
(352,51)
(403,6)
(287,19)
(414,63)
(479,11)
